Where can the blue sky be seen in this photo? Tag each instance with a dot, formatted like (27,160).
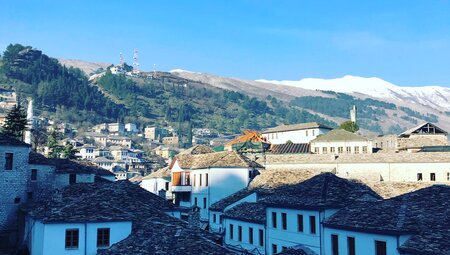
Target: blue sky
(404,42)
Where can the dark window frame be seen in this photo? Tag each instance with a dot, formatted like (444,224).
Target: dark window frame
(72,179)
(351,245)
(33,176)
(312,225)
(250,235)
(383,245)
(239,233)
(300,227)
(72,240)
(284,221)
(274,219)
(334,244)
(261,237)
(103,237)
(9,161)
(231,231)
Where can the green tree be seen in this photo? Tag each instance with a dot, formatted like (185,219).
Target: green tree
(68,151)
(55,150)
(349,126)
(15,123)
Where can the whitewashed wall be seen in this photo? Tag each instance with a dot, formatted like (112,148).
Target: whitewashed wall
(49,239)
(222,183)
(254,248)
(295,136)
(344,146)
(364,242)
(217,226)
(154,185)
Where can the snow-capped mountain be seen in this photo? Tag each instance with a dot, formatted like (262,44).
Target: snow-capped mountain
(434,96)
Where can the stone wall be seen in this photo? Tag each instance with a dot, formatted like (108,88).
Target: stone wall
(418,141)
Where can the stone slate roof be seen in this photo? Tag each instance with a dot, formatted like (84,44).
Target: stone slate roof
(424,213)
(161,173)
(99,201)
(197,149)
(301,126)
(323,191)
(249,212)
(216,159)
(67,165)
(9,141)
(297,250)
(290,148)
(339,135)
(220,205)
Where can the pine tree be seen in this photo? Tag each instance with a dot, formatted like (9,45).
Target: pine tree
(15,123)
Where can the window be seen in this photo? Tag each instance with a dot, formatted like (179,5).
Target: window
(274,219)
(340,149)
(419,177)
(72,238)
(195,181)
(356,149)
(206,180)
(283,248)
(30,195)
(200,180)
(348,149)
(448,176)
(33,174)
(334,245)
(9,161)
(300,223)
(250,235)
(432,177)
(364,149)
(231,231)
(324,150)
(351,245)
(332,149)
(16,200)
(312,224)
(240,233)
(306,132)
(204,203)
(313,132)
(284,221)
(72,179)
(316,150)
(166,186)
(214,217)
(274,248)
(103,237)
(380,248)
(195,201)
(261,237)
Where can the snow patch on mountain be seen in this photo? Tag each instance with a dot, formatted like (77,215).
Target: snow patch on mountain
(182,71)
(435,96)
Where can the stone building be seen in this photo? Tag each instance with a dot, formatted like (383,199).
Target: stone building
(426,134)
(339,141)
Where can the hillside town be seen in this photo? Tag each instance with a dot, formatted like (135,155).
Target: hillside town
(304,188)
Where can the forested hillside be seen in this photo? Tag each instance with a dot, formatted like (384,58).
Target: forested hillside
(67,93)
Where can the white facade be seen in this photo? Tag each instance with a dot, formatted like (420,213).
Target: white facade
(49,239)
(207,186)
(295,136)
(288,234)
(364,242)
(342,147)
(131,128)
(216,223)
(154,185)
(87,152)
(246,236)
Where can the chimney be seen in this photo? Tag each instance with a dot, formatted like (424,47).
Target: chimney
(194,217)
(162,193)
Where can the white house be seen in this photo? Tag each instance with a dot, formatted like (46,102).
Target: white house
(216,210)
(203,179)
(87,151)
(89,217)
(296,133)
(413,223)
(339,141)
(245,227)
(159,182)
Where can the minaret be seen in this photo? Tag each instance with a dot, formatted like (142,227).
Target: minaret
(29,127)
(353,114)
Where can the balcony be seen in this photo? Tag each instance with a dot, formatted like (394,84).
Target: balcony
(182,188)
